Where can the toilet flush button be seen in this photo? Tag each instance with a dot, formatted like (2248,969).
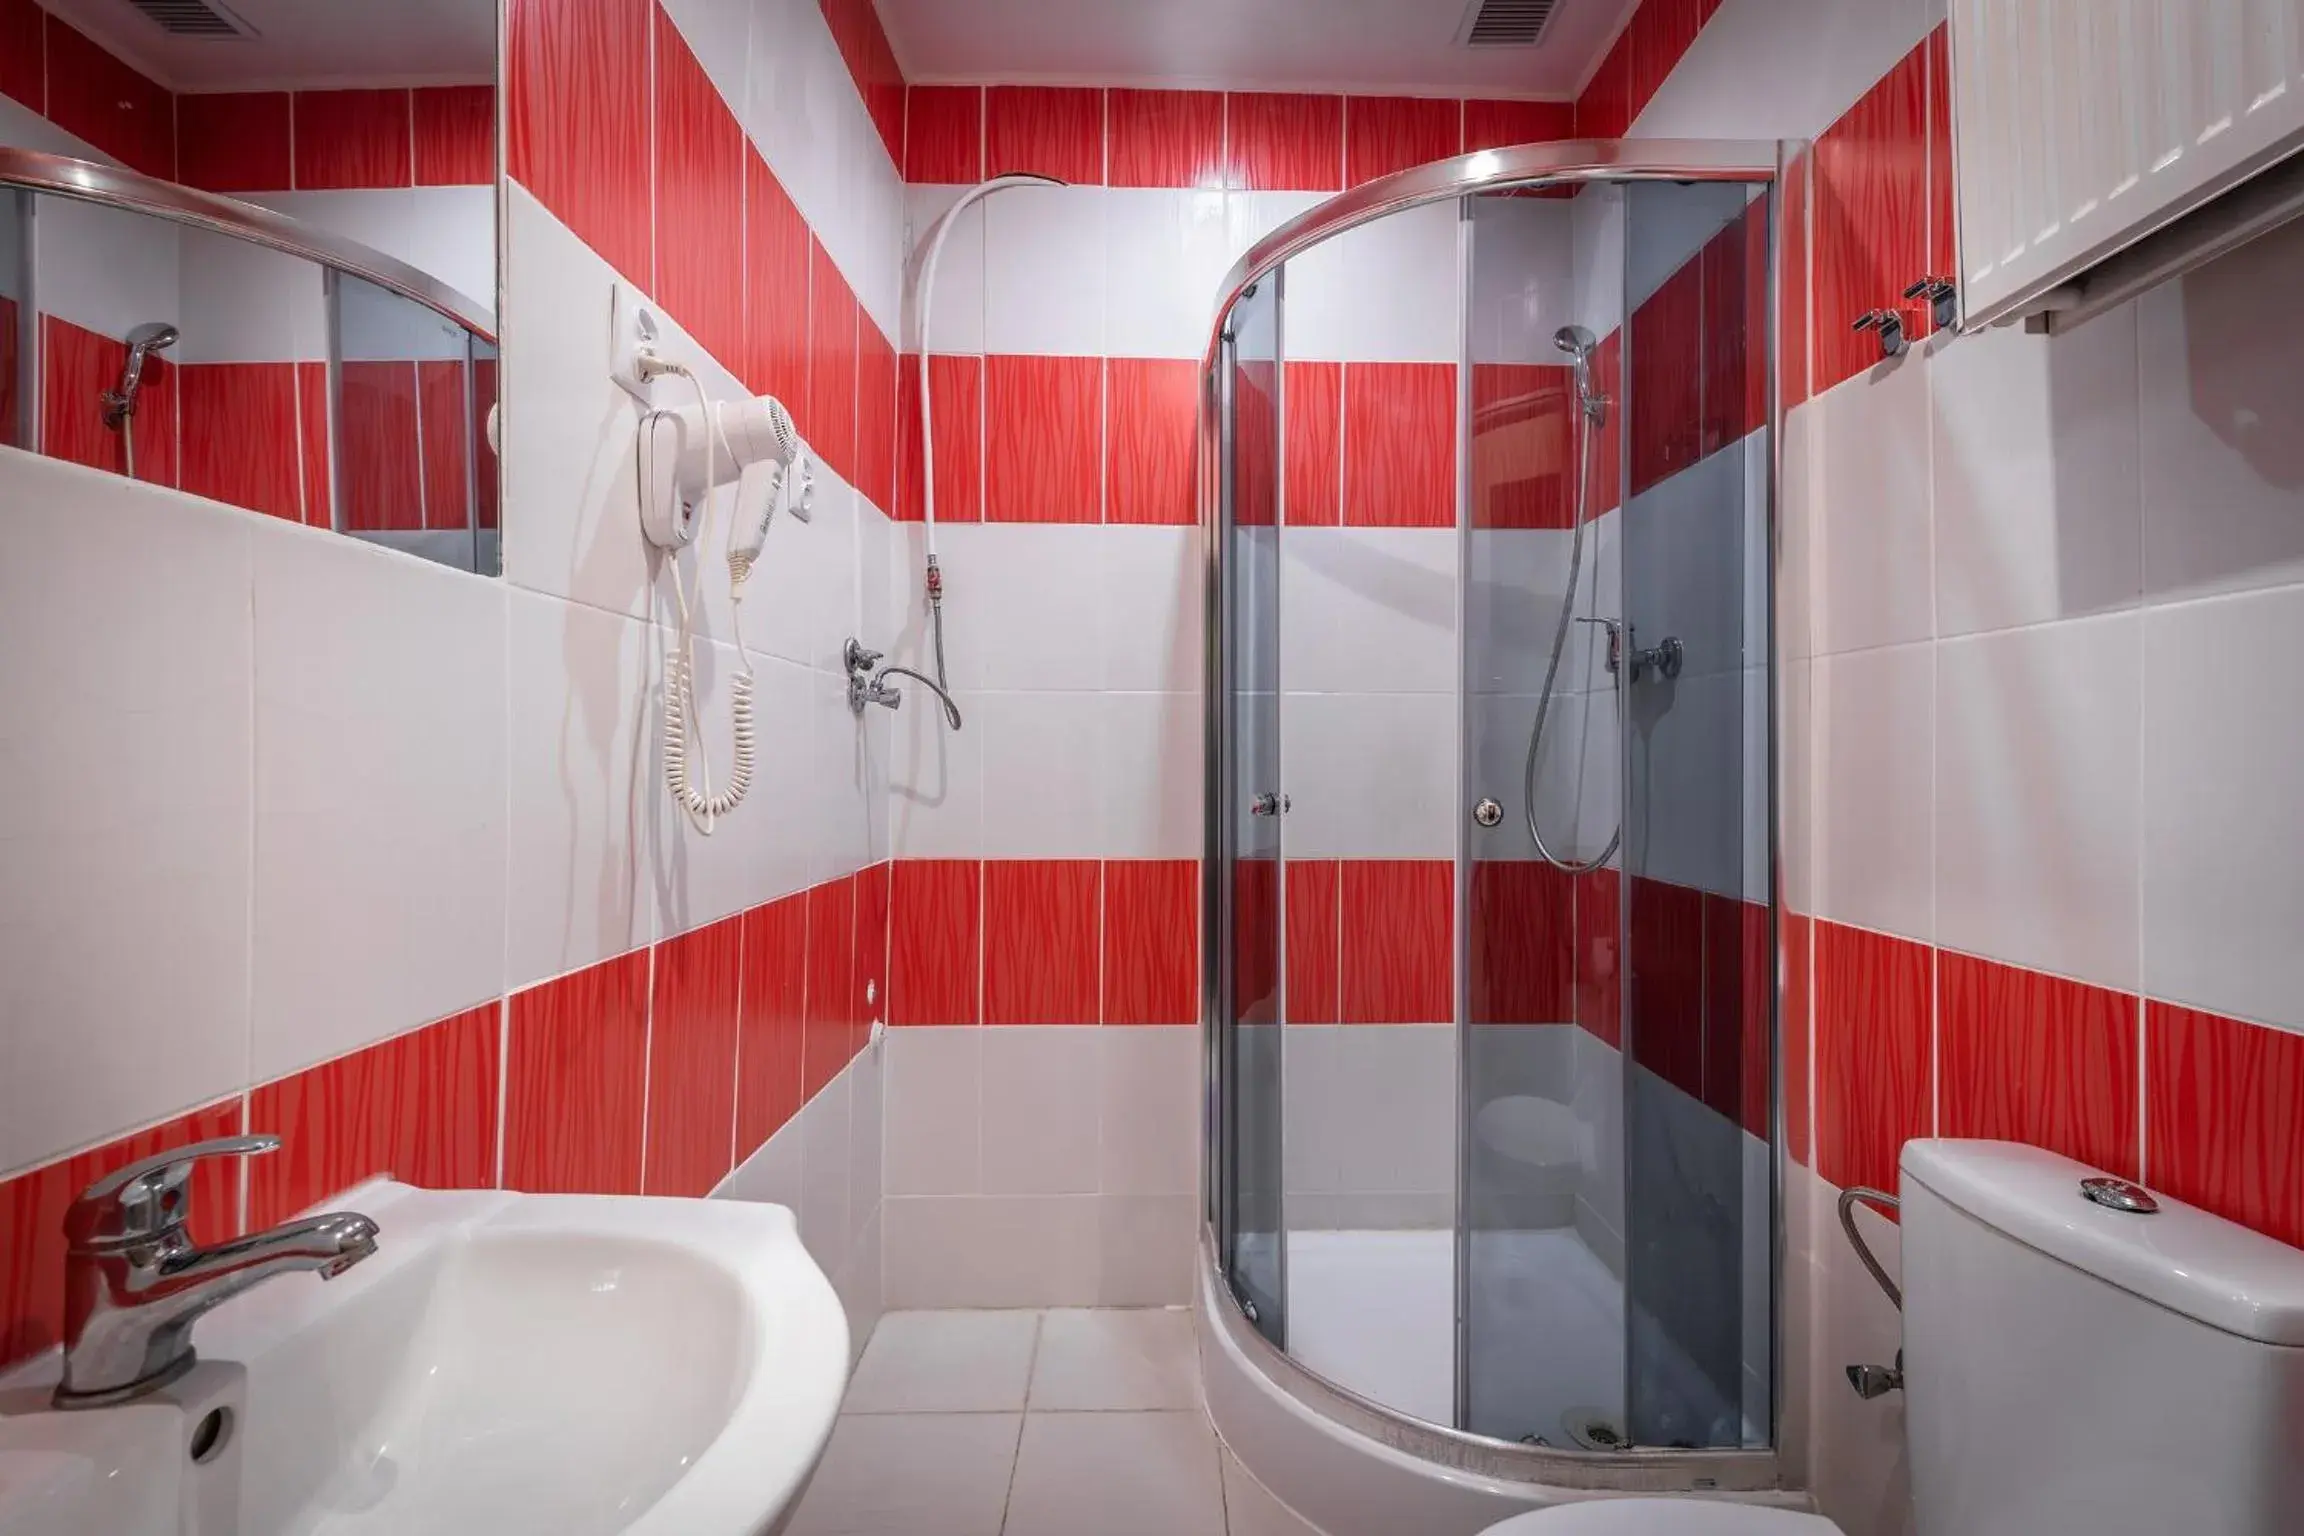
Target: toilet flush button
(2120,1195)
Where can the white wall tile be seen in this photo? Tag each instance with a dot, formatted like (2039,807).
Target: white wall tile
(1385,292)
(1368,610)
(1146,1249)
(827,1176)
(1033,615)
(447,232)
(380,795)
(1044,282)
(1166,255)
(1783,69)
(1041,1101)
(936,784)
(1152,607)
(1874,714)
(1149,1110)
(104,269)
(1799,509)
(2037,511)
(1596,240)
(1370,775)
(956,309)
(1579,772)
(1686,781)
(1397,1090)
(126,782)
(934,1138)
(1665,226)
(243,303)
(1514,582)
(1522,278)
(987,1251)
(2037,797)
(1872,534)
(1148,767)
(1041,756)
(1683,548)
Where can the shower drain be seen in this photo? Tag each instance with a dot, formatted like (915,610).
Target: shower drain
(1594,1430)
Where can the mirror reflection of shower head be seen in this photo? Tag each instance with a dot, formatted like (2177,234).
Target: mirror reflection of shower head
(120,403)
(1579,344)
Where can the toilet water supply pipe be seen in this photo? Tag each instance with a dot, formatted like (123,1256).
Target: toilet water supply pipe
(925,304)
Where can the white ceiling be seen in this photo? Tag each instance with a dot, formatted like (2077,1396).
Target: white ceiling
(305,43)
(1398,46)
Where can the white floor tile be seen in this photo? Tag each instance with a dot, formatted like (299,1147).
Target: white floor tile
(945,1362)
(1109,1359)
(1116,1474)
(911,1475)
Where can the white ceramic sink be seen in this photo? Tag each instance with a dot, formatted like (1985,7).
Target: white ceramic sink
(570,1364)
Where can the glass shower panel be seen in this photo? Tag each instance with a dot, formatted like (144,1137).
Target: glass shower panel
(1543,1219)
(1698,981)
(1249,805)
(16,321)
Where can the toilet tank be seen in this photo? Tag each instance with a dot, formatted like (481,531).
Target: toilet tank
(2074,1370)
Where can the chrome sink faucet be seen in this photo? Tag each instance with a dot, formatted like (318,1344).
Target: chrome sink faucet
(134,1282)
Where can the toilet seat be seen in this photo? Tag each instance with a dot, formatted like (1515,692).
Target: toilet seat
(1662,1517)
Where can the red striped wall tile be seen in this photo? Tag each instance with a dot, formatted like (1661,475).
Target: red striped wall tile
(1520,920)
(699,194)
(829,423)
(1383,134)
(1255,939)
(2225,1111)
(1256,433)
(420,1107)
(76,367)
(1042,940)
(234,141)
(772,1008)
(829,1013)
(96,97)
(1399,445)
(1664,980)
(455,135)
(944,134)
(935,941)
(348,139)
(1734,264)
(443,416)
(1050,130)
(575,1081)
(1739,985)
(382,472)
(882,84)
(576,120)
(1043,439)
(1525,428)
(239,432)
(1875,1010)
(32,1207)
(1166,138)
(1315,430)
(692,1059)
(1397,961)
(868,993)
(1604,108)
(1599,955)
(1501,124)
(1943,251)
(313,442)
(875,416)
(1659,33)
(1150,441)
(776,302)
(24,53)
(1315,916)
(1151,941)
(1795,936)
(1792,292)
(1284,143)
(1870,212)
(488,483)
(158,433)
(957,383)
(1666,407)
(2025,1057)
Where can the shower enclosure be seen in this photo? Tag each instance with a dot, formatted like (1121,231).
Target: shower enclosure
(1490,995)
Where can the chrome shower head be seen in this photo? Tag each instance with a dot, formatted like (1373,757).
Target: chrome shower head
(1579,344)
(1574,340)
(120,403)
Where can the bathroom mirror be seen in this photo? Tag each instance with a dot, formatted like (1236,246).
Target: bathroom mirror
(320,349)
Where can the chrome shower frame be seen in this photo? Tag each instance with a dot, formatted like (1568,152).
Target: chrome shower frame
(1566,162)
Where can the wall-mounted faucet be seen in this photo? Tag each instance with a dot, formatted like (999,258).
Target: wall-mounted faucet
(868,682)
(134,1283)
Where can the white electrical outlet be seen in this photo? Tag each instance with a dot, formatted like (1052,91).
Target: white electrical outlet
(632,328)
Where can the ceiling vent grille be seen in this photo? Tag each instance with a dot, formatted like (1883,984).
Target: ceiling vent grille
(193,18)
(1507,23)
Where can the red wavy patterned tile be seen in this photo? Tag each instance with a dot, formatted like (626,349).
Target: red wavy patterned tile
(1664,978)
(1875,1013)
(23,53)
(575,1081)
(1150,442)
(1277,142)
(488,483)
(576,120)
(1792,294)
(2033,1058)
(442,409)
(382,473)
(1521,960)
(871,62)
(776,246)
(77,366)
(8,370)
(1607,468)
(1315,464)
(1399,445)
(875,415)
(1870,216)
(1166,138)
(1047,129)
(692,1059)
(1667,397)
(1383,134)
(1502,124)
(1151,941)
(1397,922)
(944,134)
(97,97)
(700,194)
(833,315)
(1524,434)
(1315,920)
(234,141)
(313,441)
(1043,427)
(239,431)
(2225,1107)
(936,945)
(1795,935)
(455,135)
(1256,957)
(1042,942)
(868,994)
(771,1012)
(1256,443)
(1756,993)
(1599,955)
(420,1107)
(1604,109)
(32,1207)
(157,431)
(827,1019)
(1659,33)
(958,385)
(1943,252)
(353,139)
(1735,268)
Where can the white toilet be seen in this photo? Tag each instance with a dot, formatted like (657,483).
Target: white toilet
(2072,1368)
